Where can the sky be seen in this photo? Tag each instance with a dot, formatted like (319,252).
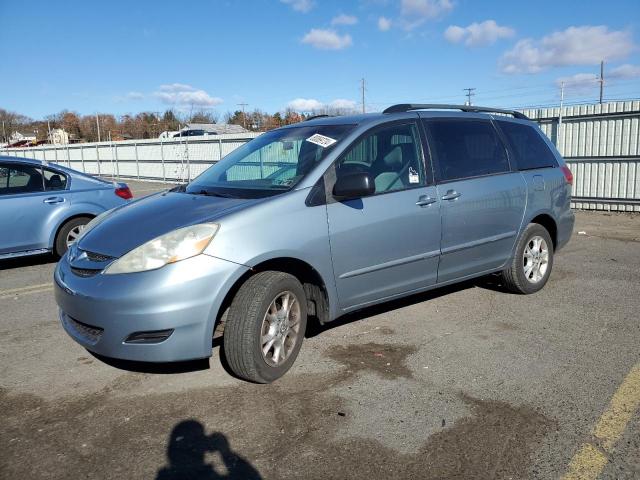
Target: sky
(125,57)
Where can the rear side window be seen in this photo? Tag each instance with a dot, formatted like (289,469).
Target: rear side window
(54,180)
(528,147)
(466,148)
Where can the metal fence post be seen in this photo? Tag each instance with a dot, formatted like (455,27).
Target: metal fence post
(115,146)
(82,159)
(220,148)
(164,176)
(135,149)
(98,158)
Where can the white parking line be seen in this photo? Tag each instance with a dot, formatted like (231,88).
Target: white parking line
(14,292)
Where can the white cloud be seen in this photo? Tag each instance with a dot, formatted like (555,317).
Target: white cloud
(313,105)
(327,39)
(415,12)
(586,45)
(344,20)
(624,71)
(478,34)
(384,24)
(305,105)
(300,5)
(580,83)
(342,104)
(135,96)
(182,94)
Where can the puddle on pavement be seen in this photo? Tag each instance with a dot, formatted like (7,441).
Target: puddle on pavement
(387,360)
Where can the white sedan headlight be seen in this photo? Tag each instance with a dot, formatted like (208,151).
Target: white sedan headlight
(171,247)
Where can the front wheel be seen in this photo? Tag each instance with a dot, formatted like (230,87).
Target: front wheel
(531,266)
(265,326)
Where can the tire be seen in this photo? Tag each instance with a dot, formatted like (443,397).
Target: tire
(254,316)
(60,244)
(521,275)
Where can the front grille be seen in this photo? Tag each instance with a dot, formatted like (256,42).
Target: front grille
(85,272)
(98,257)
(87,332)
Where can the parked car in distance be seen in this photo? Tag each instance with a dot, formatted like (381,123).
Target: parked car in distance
(45,206)
(317,219)
(189,133)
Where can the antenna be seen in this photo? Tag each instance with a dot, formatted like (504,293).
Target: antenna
(362,88)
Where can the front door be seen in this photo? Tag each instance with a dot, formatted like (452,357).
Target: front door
(388,243)
(26,207)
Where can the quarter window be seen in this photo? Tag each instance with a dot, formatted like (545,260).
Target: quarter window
(392,155)
(54,180)
(466,148)
(528,147)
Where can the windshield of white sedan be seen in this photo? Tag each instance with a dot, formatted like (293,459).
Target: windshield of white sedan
(271,163)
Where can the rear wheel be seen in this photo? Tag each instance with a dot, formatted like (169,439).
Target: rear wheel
(68,234)
(265,326)
(531,266)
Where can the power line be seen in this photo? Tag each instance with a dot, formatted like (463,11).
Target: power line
(469,94)
(244,117)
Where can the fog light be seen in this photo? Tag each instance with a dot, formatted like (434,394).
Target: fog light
(151,336)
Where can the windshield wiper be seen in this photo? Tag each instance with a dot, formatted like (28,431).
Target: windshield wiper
(211,193)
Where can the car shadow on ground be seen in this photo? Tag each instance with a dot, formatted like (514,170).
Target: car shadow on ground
(186,451)
(314,328)
(29,261)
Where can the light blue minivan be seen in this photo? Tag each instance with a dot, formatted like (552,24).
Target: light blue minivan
(316,220)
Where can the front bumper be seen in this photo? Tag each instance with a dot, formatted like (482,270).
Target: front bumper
(100,312)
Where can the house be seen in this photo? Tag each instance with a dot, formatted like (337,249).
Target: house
(58,136)
(23,136)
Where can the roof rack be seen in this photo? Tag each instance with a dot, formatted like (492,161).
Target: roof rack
(316,116)
(405,107)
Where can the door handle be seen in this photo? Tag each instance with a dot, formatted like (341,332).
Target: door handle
(451,195)
(424,200)
(51,200)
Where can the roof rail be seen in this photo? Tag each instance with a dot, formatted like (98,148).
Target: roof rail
(405,107)
(316,116)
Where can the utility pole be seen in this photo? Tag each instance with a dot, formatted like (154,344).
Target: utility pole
(244,117)
(601,79)
(4,133)
(362,88)
(98,124)
(469,94)
(559,135)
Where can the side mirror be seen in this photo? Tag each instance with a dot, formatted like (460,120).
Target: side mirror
(354,185)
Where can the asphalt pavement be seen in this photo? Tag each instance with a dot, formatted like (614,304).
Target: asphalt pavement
(462,382)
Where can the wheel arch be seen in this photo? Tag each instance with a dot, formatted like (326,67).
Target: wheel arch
(549,223)
(314,285)
(63,222)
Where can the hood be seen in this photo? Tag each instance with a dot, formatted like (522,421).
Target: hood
(132,225)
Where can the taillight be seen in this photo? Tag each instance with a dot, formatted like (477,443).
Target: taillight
(123,192)
(568,176)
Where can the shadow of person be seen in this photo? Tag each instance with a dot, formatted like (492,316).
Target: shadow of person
(186,451)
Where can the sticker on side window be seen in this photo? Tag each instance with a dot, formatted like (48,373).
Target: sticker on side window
(413,176)
(321,140)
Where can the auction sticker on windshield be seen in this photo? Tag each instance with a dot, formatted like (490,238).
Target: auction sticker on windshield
(321,140)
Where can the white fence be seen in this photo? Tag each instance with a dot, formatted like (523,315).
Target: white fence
(174,160)
(601,144)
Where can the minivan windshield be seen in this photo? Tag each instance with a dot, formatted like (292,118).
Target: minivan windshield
(270,164)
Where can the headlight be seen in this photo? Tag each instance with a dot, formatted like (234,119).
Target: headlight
(171,247)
